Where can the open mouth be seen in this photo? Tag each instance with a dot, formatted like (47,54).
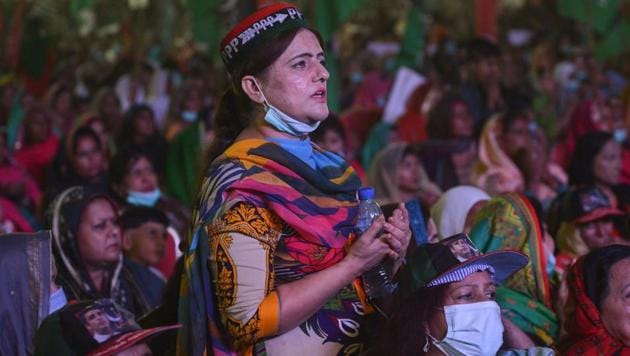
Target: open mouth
(320,94)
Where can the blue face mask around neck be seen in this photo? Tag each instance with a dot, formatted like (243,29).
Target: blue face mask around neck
(283,122)
(551,263)
(57,300)
(144,199)
(620,135)
(189,116)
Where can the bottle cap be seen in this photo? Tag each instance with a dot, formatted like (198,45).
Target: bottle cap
(366,193)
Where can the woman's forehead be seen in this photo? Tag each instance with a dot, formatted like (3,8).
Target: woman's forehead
(304,42)
(99,206)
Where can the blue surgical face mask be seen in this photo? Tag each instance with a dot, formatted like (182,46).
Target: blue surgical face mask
(380,101)
(189,116)
(144,199)
(356,77)
(57,301)
(551,263)
(283,122)
(532,127)
(620,135)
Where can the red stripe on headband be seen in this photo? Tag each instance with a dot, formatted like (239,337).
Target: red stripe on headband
(253,18)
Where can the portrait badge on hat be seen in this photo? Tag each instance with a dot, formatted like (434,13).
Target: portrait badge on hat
(461,247)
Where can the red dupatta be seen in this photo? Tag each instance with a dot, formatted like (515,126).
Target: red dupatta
(586,334)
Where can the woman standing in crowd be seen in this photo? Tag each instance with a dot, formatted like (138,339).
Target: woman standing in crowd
(510,222)
(597,323)
(88,250)
(269,259)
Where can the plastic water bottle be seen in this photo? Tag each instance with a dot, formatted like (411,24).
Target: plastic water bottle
(376,281)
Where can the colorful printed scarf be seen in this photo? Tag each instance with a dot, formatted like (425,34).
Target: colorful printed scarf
(586,334)
(319,204)
(509,222)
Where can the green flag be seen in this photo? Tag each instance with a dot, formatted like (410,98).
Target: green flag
(599,14)
(615,42)
(604,19)
(413,41)
(206,24)
(329,15)
(78,5)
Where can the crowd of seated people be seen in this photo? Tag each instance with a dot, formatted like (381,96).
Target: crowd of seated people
(524,194)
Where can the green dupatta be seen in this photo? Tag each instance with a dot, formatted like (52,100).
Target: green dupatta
(509,222)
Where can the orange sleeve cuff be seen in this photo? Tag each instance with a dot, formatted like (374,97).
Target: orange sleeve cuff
(363,298)
(269,314)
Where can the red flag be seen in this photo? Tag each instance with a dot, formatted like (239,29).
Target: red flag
(13,43)
(486,18)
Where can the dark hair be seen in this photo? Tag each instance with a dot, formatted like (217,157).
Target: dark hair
(439,126)
(403,333)
(129,122)
(331,123)
(122,162)
(235,109)
(135,216)
(481,48)
(517,107)
(581,165)
(36,109)
(73,212)
(539,211)
(81,133)
(412,150)
(596,270)
(57,92)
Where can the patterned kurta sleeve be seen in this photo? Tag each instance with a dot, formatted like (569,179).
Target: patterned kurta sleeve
(242,244)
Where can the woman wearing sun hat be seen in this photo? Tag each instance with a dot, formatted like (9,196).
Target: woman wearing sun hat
(268,269)
(446,306)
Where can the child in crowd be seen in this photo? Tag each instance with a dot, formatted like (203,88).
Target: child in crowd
(144,245)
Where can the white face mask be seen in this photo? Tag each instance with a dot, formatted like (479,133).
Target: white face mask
(283,122)
(472,329)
